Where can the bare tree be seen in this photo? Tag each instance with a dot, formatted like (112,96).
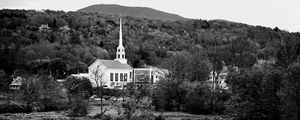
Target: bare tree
(97,76)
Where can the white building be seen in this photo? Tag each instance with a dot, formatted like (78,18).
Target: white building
(150,75)
(44,27)
(220,80)
(112,73)
(81,75)
(16,83)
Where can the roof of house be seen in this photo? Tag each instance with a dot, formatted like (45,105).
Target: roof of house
(114,64)
(81,75)
(16,81)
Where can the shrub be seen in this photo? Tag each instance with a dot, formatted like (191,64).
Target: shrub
(169,95)
(111,92)
(41,93)
(136,109)
(197,99)
(78,107)
(103,117)
(12,108)
(120,118)
(192,97)
(202,99)
(76,85)
(48,104)
(160,117)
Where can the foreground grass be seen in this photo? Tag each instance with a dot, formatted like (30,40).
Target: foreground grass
(94,108)
(62,116)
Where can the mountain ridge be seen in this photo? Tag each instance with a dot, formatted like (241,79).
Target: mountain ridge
(139,12)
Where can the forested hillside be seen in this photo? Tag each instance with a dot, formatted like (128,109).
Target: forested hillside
(74,40)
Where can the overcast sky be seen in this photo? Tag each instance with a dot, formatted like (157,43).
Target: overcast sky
(271,13)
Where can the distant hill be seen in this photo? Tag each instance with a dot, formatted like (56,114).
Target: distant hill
(140,12)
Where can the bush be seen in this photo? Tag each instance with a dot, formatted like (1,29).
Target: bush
(192,97)
(202,99)
(48,104)
(76,85)
(169,95)
(111,92)
(120,118)
(197,99)
(103,117)
(42,93)
(11,108)
(78,107)
(160,117)
(136,109)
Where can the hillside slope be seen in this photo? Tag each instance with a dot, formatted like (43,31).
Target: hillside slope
(140,12)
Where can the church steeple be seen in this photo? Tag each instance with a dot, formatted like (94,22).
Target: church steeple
(120,34)
(120,55)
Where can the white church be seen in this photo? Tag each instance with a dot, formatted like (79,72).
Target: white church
(114,74)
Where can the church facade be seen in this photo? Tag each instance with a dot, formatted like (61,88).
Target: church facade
(113,74)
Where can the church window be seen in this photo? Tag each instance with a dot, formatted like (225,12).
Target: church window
(111,76)
(130,74)
(118,50)
(125,76)
(116,77)
(151,78)
(121,77)
(123,56)
(118,56)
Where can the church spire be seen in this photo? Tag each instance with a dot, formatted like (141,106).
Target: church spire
(120,55)
(120,34)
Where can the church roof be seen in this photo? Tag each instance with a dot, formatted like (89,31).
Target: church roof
(115,64)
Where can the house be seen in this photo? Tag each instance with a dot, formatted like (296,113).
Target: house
(143,76)
(112,73)
(220,80)
(60,81)
(260,64)
(16,83)
(149,75)
(44,27)
(64,28)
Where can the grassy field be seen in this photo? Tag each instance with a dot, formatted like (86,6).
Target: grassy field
(62,116)
(94,108)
